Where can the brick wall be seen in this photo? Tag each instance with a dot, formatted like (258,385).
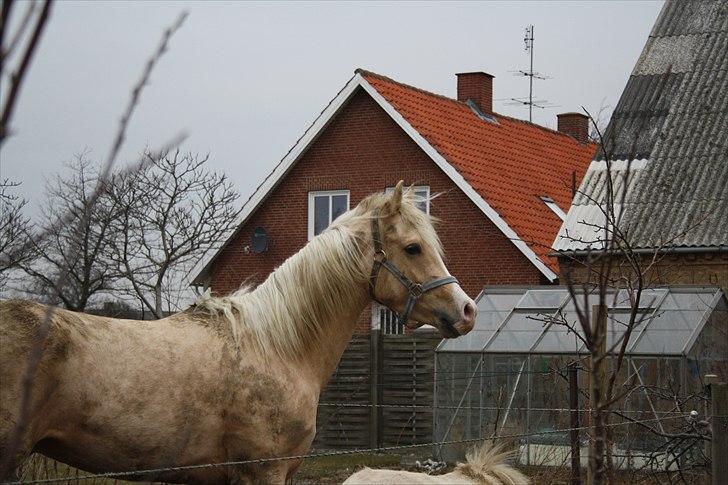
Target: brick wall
(574,124)
(478,87)
(364,151)
(709,268)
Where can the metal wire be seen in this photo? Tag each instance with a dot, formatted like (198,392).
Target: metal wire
(484,408)
(154,471)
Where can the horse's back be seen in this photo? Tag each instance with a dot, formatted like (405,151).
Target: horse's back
(371,476)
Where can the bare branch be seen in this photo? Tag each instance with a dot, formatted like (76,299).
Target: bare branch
(16,78)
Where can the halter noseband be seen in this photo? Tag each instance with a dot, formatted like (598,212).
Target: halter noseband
(414,290)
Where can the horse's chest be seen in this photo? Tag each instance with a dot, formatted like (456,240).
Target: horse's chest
(269,415)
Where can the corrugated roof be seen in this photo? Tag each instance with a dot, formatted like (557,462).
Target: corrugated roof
(509,162)
(673,112)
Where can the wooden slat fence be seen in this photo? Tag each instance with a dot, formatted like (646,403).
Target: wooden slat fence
(408,374)
(380,369)
(347,427)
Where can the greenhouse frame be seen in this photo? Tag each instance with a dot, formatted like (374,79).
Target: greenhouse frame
(507,377)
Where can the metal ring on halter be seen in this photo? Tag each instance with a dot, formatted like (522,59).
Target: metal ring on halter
(382,253)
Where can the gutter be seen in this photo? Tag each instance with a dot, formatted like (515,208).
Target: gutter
(675,250)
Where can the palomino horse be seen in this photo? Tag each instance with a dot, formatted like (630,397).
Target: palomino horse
(229,379)
(485,465)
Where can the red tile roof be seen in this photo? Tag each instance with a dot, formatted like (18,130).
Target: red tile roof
(510,163)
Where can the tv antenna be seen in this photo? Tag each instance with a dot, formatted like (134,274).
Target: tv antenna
(531,75)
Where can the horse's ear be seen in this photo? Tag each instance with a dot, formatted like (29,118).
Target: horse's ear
(394,203)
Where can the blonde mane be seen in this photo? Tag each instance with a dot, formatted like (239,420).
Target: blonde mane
(287,312)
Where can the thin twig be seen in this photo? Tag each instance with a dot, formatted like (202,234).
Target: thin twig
(16,79)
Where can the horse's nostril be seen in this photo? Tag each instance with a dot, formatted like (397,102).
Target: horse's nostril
(469,311)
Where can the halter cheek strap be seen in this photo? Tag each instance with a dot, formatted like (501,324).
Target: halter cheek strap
(414,290)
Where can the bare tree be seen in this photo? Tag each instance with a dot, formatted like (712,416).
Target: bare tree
(599,122)
(80,249)
(14,230)
(611,272)
(36,353)
(170,214)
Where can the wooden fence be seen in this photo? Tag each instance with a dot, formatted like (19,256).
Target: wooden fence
(376,374)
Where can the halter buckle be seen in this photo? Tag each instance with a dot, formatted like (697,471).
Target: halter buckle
(415,290)
(380,256)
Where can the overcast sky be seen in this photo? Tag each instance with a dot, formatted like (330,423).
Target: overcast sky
(246,79)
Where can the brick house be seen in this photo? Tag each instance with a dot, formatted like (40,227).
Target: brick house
(503,183)
(669,130)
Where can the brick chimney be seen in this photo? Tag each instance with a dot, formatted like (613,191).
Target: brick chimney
(574,124)
(478,87)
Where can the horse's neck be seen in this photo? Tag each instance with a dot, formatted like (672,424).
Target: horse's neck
(335,337)
(335,319)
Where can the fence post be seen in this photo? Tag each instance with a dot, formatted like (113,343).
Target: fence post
(719,421)
(374,388)
(574,407)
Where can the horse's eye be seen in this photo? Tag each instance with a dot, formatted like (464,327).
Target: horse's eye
(413,249)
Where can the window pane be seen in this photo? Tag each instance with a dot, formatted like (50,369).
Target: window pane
(339,205)
(421,199)
(320,213)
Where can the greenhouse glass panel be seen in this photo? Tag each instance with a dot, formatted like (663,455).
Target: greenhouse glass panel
(684,299)
(618,323)
(503,301)
(559,339)
(543,299)
(649,298)
(527,321)
(519,332)
(668,332)
(509,341)
(486,324)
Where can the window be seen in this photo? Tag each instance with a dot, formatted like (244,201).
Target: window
(324,207)
(385,320)
(422,197)
(551,204)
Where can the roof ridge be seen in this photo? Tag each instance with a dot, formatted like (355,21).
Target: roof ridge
(547,129)
(359,70)
(366,72)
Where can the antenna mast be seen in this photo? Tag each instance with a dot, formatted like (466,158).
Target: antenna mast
(528,40)
(538,103)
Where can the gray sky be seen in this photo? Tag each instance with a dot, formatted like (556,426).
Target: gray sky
(246,79)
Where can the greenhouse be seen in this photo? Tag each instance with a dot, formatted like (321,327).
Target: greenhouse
(508,376)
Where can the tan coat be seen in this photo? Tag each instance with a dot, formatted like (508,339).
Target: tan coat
(230,379)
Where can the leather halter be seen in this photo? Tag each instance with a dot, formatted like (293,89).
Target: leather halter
(414,290)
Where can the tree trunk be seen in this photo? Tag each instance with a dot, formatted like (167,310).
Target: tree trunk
(158,311)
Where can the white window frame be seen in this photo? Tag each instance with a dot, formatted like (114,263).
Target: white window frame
(330,194)
(416,188)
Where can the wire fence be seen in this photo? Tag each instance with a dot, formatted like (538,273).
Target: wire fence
(382,449)
(482,408)
(360,381)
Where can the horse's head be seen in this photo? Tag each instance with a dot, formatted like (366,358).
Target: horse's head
(408,273)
